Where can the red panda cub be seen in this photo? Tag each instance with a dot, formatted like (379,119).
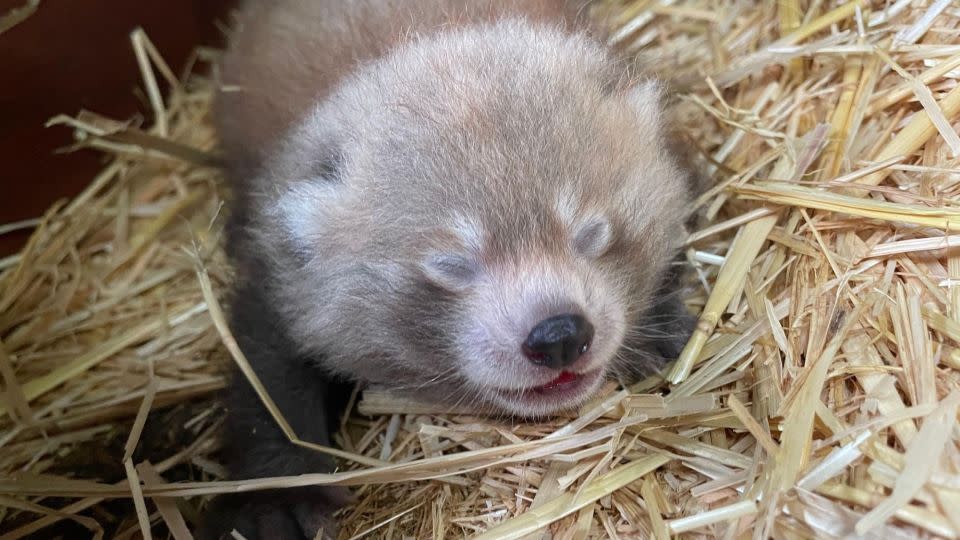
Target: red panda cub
(471,201)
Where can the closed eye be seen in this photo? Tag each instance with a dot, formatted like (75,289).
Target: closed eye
(593,237)
(450,271)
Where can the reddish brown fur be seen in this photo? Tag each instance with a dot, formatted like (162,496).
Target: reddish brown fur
(418,184)
(270,87)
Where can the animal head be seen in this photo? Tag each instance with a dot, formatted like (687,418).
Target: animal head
(482,215)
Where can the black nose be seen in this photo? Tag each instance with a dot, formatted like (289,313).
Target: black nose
(558,341)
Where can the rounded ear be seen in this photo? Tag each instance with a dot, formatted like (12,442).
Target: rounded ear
(307,168)
(304,210)
(311,148)
(593,237)
(647,98)
(450,271)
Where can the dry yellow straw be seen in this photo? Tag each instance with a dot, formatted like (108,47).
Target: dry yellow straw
(815,393)
(732,275)
(805,197)
(568,503)
(912,137)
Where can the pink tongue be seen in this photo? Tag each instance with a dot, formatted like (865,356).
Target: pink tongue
(563,378)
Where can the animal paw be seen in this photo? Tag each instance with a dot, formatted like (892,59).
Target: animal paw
(287,514)
(676,334)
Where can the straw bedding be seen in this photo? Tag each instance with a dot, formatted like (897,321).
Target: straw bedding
(818,398)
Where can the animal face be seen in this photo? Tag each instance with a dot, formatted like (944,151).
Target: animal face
(477,220)
(539,333)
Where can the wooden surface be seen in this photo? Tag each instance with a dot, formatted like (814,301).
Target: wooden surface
(72,55)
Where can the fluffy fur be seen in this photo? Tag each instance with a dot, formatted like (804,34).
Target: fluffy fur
(416,185)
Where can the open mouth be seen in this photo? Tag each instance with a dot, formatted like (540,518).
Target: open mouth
(566,379)
(566,389)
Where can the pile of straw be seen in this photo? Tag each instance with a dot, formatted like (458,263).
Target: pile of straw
(818,398)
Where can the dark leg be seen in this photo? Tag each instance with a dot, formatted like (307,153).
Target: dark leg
(670,325)
(254,446)
(662,331)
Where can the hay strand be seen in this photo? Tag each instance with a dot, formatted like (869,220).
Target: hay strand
(818,396)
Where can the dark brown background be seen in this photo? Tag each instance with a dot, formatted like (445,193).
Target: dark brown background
(72,55)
